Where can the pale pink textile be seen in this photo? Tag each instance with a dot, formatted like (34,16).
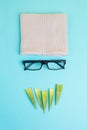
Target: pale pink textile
(44,34)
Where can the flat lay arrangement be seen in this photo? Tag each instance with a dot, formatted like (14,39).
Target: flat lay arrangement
(44,97)
(44,34)
(43,65)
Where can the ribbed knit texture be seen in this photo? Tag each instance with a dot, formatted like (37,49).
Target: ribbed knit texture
(44,34)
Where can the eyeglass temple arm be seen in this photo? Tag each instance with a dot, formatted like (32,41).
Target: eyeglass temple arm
(61,65)
(25,67)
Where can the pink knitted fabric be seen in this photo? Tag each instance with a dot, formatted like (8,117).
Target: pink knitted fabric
(44,34)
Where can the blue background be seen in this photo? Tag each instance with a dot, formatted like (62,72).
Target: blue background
(16,112)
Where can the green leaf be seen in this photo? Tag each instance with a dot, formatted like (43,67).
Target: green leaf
(38,97)
(44,99)
(58,90)
(31,96)
(50,97)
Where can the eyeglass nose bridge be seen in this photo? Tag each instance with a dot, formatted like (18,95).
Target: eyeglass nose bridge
(44,63)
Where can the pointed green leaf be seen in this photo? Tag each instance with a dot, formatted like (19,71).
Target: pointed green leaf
(58,90)
(44,99)
(38,97)
(31,96)
(50,97)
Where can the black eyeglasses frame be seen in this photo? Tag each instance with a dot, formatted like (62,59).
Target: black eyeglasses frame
(42,63)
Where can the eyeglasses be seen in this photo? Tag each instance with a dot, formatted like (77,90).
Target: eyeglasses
(34,65)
